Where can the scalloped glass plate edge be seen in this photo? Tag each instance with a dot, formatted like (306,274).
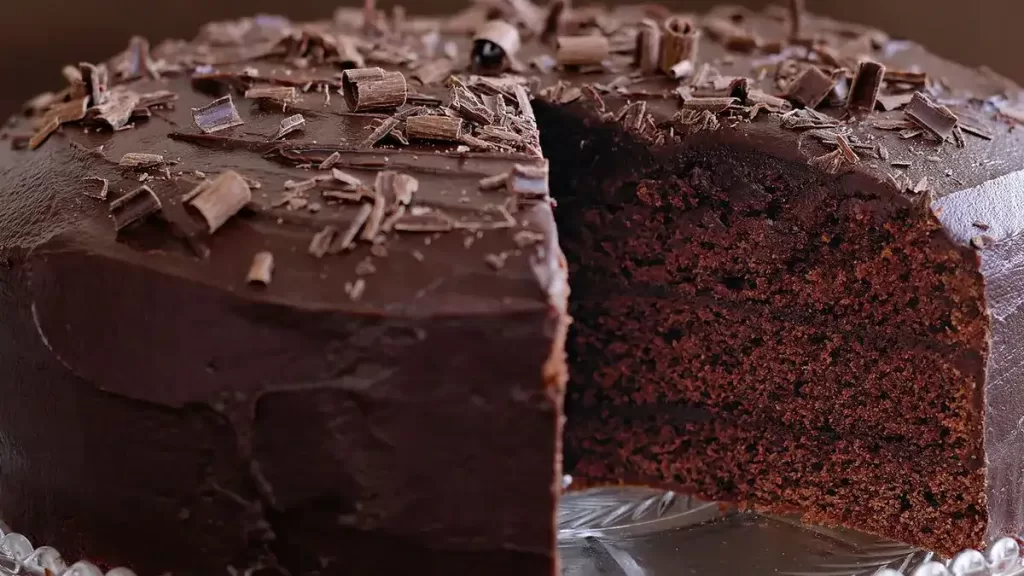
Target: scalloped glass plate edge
(631,531)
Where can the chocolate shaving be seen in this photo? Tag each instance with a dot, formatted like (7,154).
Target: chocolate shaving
(844,146)
(389,223)
(397,135)
(383,129)
(136,60)
(347,180)
(529,182)
(410,112)
(321,241)
(261,269)
(49,127)
(404,187)
(980,225)
(732,36)
(347,238)
(796,18)
(807,118)
(222,199)
(140,160)
(343,196)
(277,93)
(893,124)
(553,21)
(104,185)
(976,131)
(217,115)
(678,44)
(434,71)
(523,100)
(289,125)
(382,189)
(648,47)
(330,161)
(711,104)
(432,221)
(497,33)
(894,101)
(865,86)
(831,163)
(773,103)
(935,118)
(97,80)
(906,77)
(368,89)
(356,289)
(582,50)
(811,87)
(473,112)
(39,103)
(117,110)
(440,128)
(134,206)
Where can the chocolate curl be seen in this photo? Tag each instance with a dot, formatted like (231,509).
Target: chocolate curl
(648,47)
(678,43)
(368,89)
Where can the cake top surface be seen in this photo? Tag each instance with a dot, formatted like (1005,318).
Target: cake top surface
(425,191)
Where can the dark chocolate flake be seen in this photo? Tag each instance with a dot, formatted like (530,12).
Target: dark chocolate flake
(424,222)
(288,125)
(865,86)
(811,87)
(347,238)
(140,160)
(278,93)
(938,120)
(379,132)
(712,104)
(889,102)
(330,161)
(217,115)
(134,206)
(322,240)
(102,184)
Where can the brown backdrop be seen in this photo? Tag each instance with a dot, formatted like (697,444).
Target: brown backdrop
(38,36)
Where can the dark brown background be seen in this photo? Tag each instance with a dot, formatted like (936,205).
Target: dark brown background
(38,36)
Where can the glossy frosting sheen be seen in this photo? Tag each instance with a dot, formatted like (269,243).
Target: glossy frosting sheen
(179,408)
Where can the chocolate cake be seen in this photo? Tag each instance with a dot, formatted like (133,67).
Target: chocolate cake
(289,298)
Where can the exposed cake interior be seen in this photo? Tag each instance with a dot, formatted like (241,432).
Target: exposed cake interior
(749,329)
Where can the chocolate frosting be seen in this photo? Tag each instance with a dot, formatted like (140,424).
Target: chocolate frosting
(164,414)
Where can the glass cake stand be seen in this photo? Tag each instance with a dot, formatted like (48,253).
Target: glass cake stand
(641,532)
